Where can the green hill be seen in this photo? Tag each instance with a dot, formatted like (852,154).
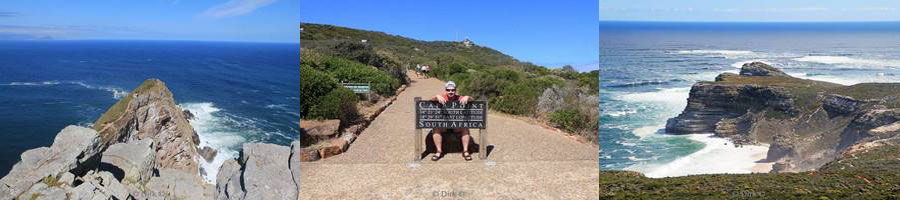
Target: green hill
(332,54)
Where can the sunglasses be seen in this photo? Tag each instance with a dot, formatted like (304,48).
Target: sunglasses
(451,90)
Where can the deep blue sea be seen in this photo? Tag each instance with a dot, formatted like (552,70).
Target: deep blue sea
(647,69)
(239,92)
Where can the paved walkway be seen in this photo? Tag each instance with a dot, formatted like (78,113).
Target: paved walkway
(527,162)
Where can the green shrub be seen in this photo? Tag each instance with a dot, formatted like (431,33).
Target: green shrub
(590,80)
(381,82)
(521,98)
(482,84)
(313,84)
(568,119)
(340,103)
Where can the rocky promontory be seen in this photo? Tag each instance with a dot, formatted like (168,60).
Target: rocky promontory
(806,123)
(144,147)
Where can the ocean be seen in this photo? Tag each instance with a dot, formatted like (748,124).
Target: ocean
(647,69)
(239,91)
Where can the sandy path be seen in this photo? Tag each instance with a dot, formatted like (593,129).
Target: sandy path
(527,161)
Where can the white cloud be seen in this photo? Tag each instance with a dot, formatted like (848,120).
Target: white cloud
(234,8)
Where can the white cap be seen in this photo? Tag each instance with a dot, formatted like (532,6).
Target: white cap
(450,85)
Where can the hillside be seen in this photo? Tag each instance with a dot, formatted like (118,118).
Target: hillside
(405,50)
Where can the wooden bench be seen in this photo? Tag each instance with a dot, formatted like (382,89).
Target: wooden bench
(432,114)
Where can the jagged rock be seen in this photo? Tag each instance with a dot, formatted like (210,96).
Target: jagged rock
(228,181)
(67,178)
(74,149)
(135,160)
(839,104)
(308,155)
(83,191)
(265,172)
(112,186)
(320,128)
(725,75)
(188,115)
(207,153)
(178,184)
(760,69)
(335,146)
(150,112)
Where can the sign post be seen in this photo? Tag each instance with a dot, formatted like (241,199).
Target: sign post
(432,114)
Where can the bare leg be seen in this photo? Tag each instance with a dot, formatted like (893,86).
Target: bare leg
(465,139)
(437,139)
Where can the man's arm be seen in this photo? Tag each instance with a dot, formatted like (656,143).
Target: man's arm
(465,99)
(439,98)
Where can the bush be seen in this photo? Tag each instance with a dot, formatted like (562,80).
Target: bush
(313,84)
(521,98)
(568,119)
(381,82)
(340,103)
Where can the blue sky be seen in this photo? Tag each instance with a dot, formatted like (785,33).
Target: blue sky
(750,11)
(548,33)
(223,20)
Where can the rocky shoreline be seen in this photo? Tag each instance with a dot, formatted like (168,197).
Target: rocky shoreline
(143,147)
(806,123)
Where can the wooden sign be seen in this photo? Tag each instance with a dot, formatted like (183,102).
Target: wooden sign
(433,114)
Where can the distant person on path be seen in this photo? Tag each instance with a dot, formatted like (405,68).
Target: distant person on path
(449,96)
(425,70)
(418,70)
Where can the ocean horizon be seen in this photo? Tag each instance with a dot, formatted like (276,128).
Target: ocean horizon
(647,69)
(238,91)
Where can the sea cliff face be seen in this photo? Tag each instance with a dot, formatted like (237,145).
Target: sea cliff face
(806,123)
(149,112)
(144,147)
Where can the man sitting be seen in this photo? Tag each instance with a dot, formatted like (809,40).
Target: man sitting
(449,96)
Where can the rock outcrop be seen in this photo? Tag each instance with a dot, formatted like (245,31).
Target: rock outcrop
(806,123)
(760,69)
(74,150)
(141,148)
(264,171)
(146,149)
(133,161)
(150,112)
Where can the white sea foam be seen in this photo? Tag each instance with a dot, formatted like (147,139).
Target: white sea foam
(717,157)
(34,83)
(117,93)
(719,53)
(620,112)
(848,80)
(845,61)
(676,97)
(647,131)
(214,132)
(277,106)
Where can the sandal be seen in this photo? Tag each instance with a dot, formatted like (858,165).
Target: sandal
(467,156)
(437,156)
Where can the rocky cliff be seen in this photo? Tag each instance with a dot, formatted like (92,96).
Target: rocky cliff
(144,147)
(149,112)
(806,123)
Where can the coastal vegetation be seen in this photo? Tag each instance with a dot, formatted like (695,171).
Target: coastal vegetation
(561,97)
(867,175)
